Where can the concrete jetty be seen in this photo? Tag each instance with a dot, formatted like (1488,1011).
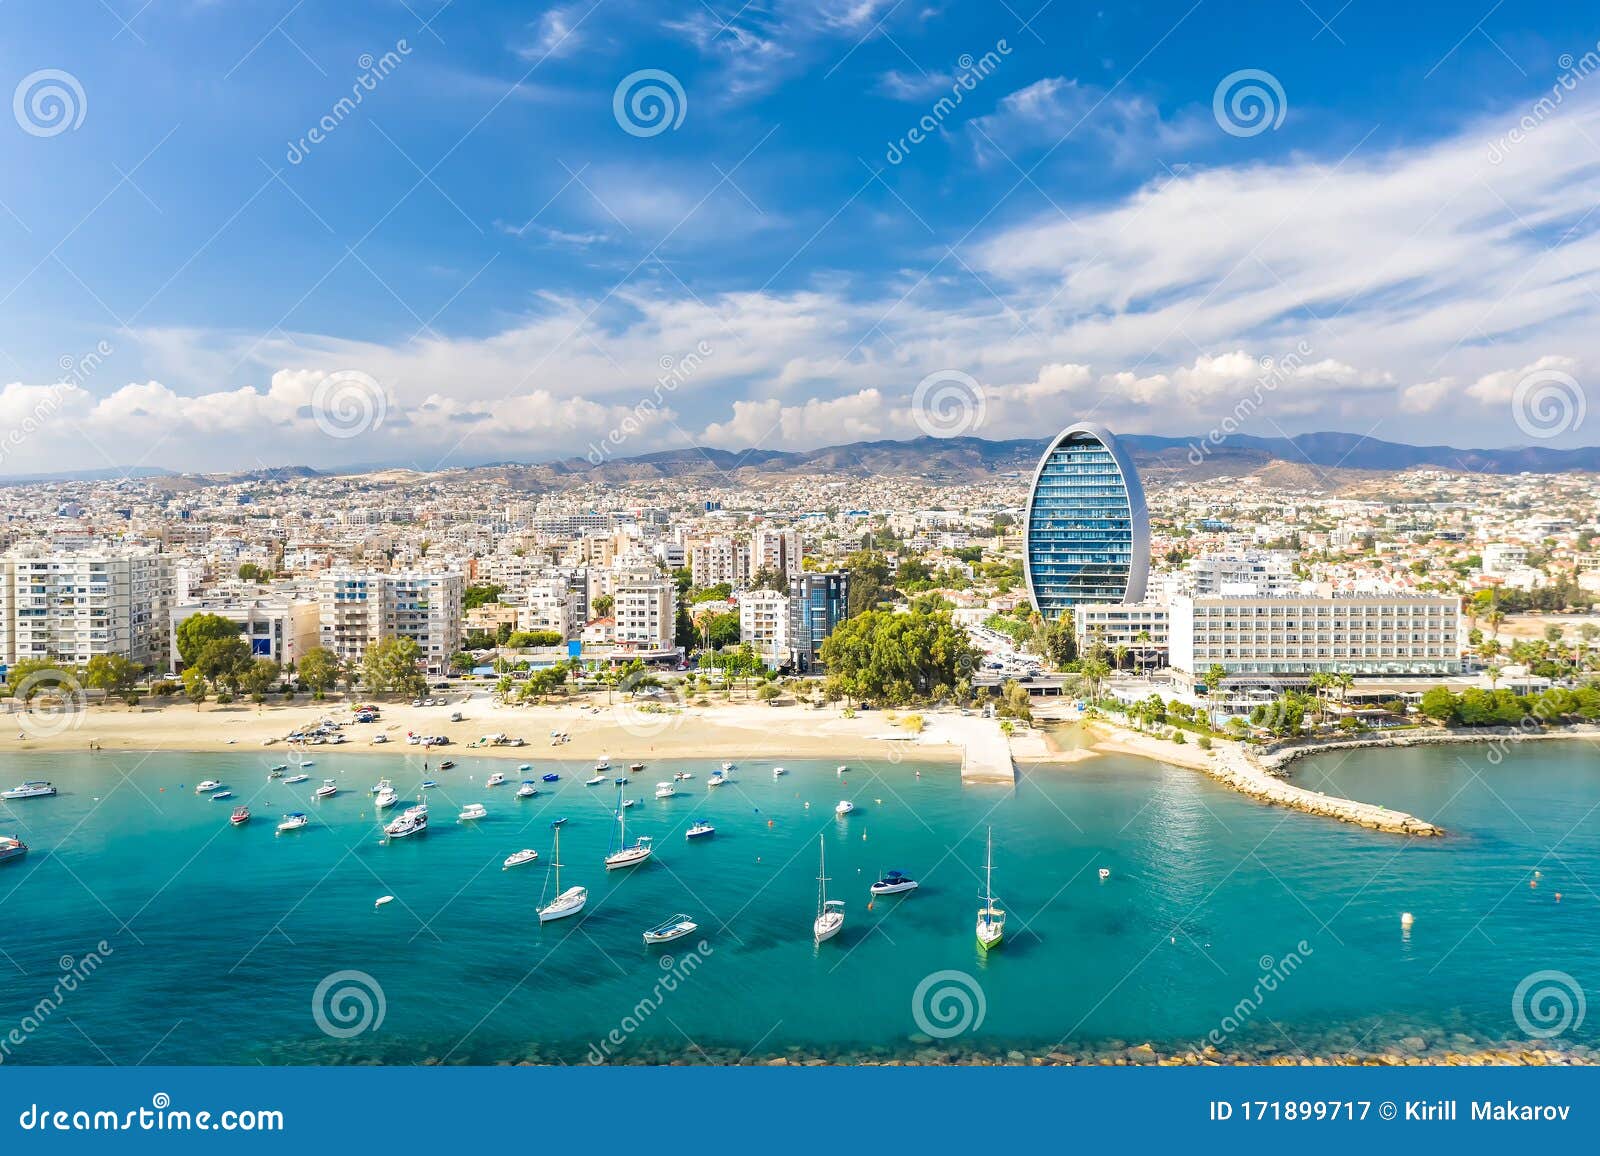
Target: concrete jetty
(986,753)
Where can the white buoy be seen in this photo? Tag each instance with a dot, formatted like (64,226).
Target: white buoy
(1105,873)
(1406,919)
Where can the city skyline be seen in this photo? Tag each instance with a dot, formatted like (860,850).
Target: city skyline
(389,237)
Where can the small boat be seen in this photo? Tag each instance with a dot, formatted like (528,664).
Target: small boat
(726,767)
(11,849)
(843,807)
(602,764)
(699,829)
(665,790)
(447,765)
(524,768)
(293,821)
(382,785)
(776,771)
(830,912)
(675,928)
(328,790)
(635,768)
(623,855)
(518,858)
(558,822)
(683,776)
(550,777)
(472,811)
(382,899)
(277,771)
(222,794)
(527,790)
(411,821)
(626,803)
(568,902)
(387,798)
(716,780)
(296,779)
(428,784)
(308,762)
(495,780)
(1105,873)
(205,785)
(991,919)
(841,769)
(595,780)
(893,883)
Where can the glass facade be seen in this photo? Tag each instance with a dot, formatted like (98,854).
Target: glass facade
(1088,533)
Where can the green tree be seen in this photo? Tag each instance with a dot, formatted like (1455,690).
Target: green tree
(390,667)
(898,658)
(199,630)
(319,669)
(224,661)
(869,581)
(602,605)
(259,677)
(194,685)
(250,572)
(112,673)
(461,662)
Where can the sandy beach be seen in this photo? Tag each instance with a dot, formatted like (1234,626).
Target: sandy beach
(620,730)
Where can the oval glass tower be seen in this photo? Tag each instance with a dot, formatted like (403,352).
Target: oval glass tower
(1087,534)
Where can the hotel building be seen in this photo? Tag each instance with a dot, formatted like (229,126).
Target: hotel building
(818,602)
(1087,532)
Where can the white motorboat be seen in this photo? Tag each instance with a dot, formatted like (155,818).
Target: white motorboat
(726,767)
(665,790)
(602,764)
(893,883)
(841,769)
(34,789)
(595,780)
(472,811)
(716,780)
(277,771)
(495,780)
(524,768)
(629,803)
(382,785)
(296,779)
(622,855)
(527,790)
(675,928)
(843,807)
(218,796)
(517,859)
(776,771)
(205,786)
(328,790)
(293,821)
(683,776)
(568,902)
(387,798)
(991,919)
(11,848)
(830,912)
(411,821)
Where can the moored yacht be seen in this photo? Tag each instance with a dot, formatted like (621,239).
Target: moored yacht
(623,855)
(292,779)
(472,811)
(843,807)
(991,919)
(893,883)
(518,858)
(411,821)
(328,790)
(206,786)
(699,829)
(382,785)
(495,780)
(568,902)
(11,848)
(293,821)
(665,790)
(387,797)
(240,816)
(527,790)
(830,912)
(675,928)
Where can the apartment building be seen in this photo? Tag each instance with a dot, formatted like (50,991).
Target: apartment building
(279,627)
(764,624)
(1140,626)
(1365,634)
(720,559)
(360,607)
(1266,573)
(552,603)
(74,605)
(778,550)
(645,609)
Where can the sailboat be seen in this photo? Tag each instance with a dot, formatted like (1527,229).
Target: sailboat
(624,855)
(991,920)
(568,902)
(830,912)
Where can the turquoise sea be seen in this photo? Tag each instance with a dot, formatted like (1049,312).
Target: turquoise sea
(219,937)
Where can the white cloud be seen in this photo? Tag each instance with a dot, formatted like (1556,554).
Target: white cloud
(1063,112)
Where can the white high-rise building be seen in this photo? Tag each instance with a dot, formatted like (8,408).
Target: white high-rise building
(776,549)
(72,606)
(720,559)
(645,610)
(362,607)
(764,624)
(551,604)
(1269,573)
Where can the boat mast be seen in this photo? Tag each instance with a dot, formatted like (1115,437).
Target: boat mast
(988,878)
(822,876)
(557,863)
(622,819)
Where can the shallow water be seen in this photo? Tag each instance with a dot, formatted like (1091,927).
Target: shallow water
(219,937)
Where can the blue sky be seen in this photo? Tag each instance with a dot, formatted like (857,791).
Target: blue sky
(481,244)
